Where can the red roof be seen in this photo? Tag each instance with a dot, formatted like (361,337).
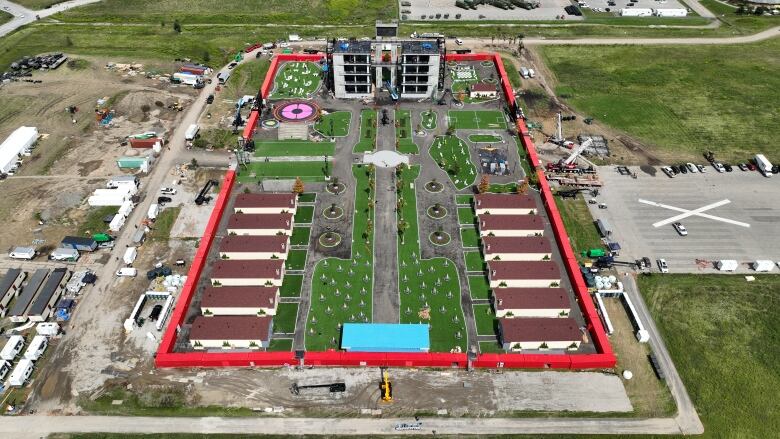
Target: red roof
(263,243)
(248,269)
(239,297)
(230,328)
(275,221)
(516,244)
(481,86)
(283,201)
(510,222)
(504,201)
(519,270)
(541,329)
(531,298)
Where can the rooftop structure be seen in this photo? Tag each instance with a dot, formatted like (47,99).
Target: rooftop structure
(501,203)
(265,202)
(510,225)
(248,269)
(539,333)
(248,245)
(29,291)
(510,270)
(235,300)
(255,224)
(385,337)
(230,331)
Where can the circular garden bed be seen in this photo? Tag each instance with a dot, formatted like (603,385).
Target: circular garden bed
(440,238)
(329,239)
(333,212)
(434,186)
(437,211)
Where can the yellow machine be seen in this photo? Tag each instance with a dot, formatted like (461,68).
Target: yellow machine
(386,387)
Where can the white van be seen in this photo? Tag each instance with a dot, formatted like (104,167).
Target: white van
(22,253)
(192,132)
(21,373)
(458,41)
(37,348)
(525,73)
(531,73)
(12,348)
(127,272)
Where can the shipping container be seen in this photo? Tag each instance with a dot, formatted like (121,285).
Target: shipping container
(79,243)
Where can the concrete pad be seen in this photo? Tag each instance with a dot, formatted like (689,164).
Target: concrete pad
(385,159)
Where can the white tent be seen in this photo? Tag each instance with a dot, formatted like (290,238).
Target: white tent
(19,141)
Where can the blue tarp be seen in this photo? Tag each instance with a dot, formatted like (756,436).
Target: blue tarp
(385,337)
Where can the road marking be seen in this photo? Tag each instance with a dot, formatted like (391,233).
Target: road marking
(695,212)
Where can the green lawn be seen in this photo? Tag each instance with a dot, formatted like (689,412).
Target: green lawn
(452,155)
(280,345)
(37,5)
(246,79)
(485,318)
(485,138)
(304,214)
(403,132)
(286,148)
(307,197)
(492,347)
(93,222)
(368,129)
(163,224)
(723,343)
(284,320)
(334,124)
(462,84)
(503,188)
(308,171)
(427,281)
(469,236)
(479,287)
(291,286)
(464,199)
(296,259)
(512,73)
(215,138)
(300,236)
(428,119)
(466,215)
(341,288)
(474,261)
(579,224)
(5,17)
(719,98)
(476,120)
(296,80)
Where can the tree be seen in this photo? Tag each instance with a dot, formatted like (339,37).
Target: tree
(298,186)
(484,184)
(68,41)
(176,26)
(193,163)
(206,56)
(522,188)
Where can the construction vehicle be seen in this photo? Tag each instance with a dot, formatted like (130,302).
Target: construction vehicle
(295,389)
(609,262)
(386,387)
(558,138)
(569,162)
(594,253)
(573,192)
(202,195)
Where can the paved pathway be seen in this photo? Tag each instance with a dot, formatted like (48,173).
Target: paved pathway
(24,16)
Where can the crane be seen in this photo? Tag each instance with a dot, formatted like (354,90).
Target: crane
(558,138)
(386,387)
(576,152)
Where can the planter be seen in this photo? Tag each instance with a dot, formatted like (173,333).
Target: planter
(329,239)
(441,213)
(434,187)
(440,239)
(333,214)
(335,189)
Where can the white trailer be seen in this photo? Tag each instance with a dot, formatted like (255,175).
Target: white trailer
(130,254)
(12,348)
(21,373)
(154,210)
(116,223)
(763,265)
(191,132)
(49,329)
(64,254)
(20,141)
(22,253)
(187,78)
(115,182)
(37,348)
(671,12)
(764,165)
(636,12)
(126,272)
(727,265)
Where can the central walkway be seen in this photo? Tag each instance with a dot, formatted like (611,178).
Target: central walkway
(386,299)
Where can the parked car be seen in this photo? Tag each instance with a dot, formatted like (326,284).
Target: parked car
(680,229)
(662,265)
(668,171)
(751,166)
(210,99)
(683,169)
(743,166)
(727,167)
(719,167)
(691,167)
(168,191)
(701,168)
(163,200)
(232,65)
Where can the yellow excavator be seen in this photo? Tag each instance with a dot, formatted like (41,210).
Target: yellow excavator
(386,387)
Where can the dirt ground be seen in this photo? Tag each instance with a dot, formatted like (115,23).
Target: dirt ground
(72,159)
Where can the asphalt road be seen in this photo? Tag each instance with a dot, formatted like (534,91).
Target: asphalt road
(24,16)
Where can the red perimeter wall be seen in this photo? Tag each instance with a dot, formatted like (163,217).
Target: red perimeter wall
(604,359)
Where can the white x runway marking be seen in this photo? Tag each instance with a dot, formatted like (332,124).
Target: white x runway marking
(695,212)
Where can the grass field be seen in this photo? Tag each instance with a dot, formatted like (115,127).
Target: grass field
(368,129)
(452,155)
(428,120)
(579,225)
(93,222)
(485,138)
(308,171)
(291,285)
(280,345)
(37,5)
(464,199)
(163,224)
(486,320)
(463,82)
(304,214)
(247,78)
(466,215)
(5,17)
(512,73)
(341,288)
(296,80)
(469,236)
(403,132)
(476,120)
(284,320)
(232,11)
(431,282)
(479,287)
(300,236)
(719,98)
(307,197)
(474,261)
(296,259)
(287,148)
(334,124)
(722,342)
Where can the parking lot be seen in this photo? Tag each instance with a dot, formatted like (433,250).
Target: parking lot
(638,4)
(742,223)
(549,10)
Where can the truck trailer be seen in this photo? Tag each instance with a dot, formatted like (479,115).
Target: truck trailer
(22,253)
(192,132)
(187,78)
(764,165)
